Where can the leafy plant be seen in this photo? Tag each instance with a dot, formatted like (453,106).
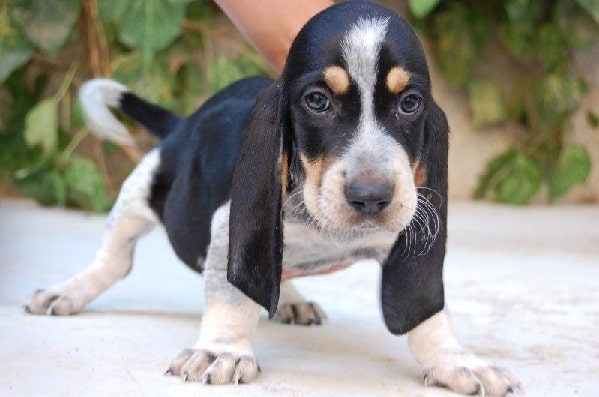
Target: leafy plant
(538,39)
(60,177)
(165,50)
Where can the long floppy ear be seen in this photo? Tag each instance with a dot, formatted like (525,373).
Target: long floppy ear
(255,230)
(412,280)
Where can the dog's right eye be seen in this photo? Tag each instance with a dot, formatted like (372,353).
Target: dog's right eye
(317,101)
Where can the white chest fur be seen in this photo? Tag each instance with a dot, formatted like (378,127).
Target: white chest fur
(307,251)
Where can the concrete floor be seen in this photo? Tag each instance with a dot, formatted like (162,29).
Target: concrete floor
(522,285)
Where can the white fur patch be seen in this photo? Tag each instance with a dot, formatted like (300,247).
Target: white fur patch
(432,337)
(129,219)
(96,96)
(230,317)
(449,365)
(360,49)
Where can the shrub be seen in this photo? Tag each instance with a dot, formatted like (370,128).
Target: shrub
(165,50)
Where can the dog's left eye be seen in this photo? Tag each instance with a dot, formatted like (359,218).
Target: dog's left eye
(317,101)
(410,103)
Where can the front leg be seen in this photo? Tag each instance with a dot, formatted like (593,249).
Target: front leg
(447,364)
(223,352)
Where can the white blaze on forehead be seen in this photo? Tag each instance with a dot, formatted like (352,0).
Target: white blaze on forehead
(372,151)
(360,49)
(371,148)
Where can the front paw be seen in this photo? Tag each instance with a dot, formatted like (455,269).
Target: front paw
(300,313)
(198,365)
(470,376)
(52,302)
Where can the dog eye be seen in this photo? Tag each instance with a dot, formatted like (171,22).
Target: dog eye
(317,101)
(410,104)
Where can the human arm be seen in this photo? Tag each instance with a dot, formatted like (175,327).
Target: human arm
(271,25)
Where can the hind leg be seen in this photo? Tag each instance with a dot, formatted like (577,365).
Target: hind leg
(129,219)
(295,309)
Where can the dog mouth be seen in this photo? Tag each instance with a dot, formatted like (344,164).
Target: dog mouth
(342,221)
(367,205)
(338,201)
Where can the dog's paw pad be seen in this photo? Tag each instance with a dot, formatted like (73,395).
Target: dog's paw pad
(300,313)
(209,368)
(478,381)
(51,303)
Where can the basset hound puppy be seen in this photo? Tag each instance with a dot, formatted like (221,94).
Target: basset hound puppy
(342,158)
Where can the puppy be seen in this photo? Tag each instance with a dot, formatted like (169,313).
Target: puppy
(343,158)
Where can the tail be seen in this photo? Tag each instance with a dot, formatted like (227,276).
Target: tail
(98,95)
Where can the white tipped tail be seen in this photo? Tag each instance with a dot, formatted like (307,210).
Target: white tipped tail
(96,96)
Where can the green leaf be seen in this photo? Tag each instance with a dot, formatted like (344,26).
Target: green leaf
(109,147)
(579,27)
(512,177)
(42,182)
(524,12)
(553,46)
(517,41)
(41,126)
(557,96)
(190,87)
(150,80)
(592,7)
(85,186)
(421,8)
(48,23)
(113,11)
(488,179)
(199,11)
(520,181)
(225,71)
(573,167)
(14,152)
(15,51)
(77,118)
(151,25)
(519,31)
(6,110)
(461,35)
(486,102)
(592,119)
(11,59)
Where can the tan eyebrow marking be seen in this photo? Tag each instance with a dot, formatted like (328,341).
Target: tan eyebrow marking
(420,176)
(314,169)
(337,79)
(397,79)
(284,166)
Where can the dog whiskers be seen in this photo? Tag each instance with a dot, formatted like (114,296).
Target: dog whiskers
(294,204)
(421,232)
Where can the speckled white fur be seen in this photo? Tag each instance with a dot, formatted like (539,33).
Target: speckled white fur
(129,219)
(446,363)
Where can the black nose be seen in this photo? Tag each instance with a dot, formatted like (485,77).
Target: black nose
(369,197)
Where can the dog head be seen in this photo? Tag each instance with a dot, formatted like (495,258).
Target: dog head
(346,130)
(359,95)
